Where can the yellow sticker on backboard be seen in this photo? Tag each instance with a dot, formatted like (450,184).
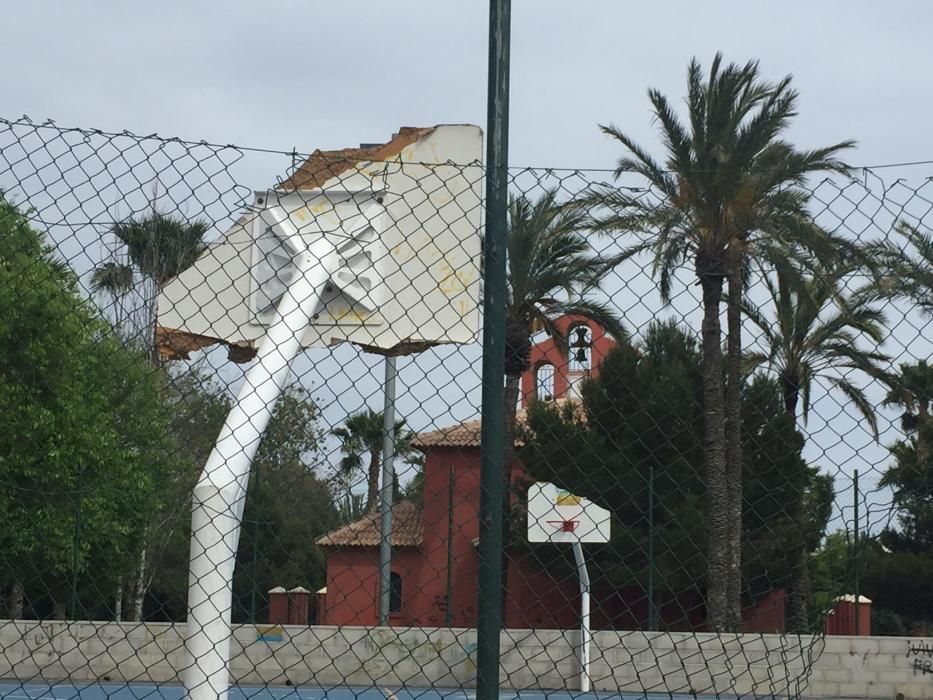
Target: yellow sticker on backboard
(565,498)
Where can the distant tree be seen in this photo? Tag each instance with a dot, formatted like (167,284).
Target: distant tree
(731,198)
(811,332)
(84,449)
(643,413)
(288,504)
(361,436)
(904,267)
(898,565)
(157,248)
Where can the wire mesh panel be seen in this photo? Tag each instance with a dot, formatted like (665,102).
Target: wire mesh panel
(240,439)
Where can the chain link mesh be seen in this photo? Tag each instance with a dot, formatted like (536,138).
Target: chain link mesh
(135,295)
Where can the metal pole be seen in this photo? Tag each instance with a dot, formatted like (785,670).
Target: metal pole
(448,615)
(220,494)
(855,544)
(489,611)
(385,499)
(652,610)
(585,634)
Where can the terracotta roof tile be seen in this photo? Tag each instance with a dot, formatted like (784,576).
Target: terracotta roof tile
(322,166)
(468,434)
(407,529)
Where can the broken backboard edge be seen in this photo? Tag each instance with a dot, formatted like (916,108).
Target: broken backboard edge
(178,345)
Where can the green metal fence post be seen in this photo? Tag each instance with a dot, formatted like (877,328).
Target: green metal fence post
(652,609)
(255,562)
(855,548)
(489,613)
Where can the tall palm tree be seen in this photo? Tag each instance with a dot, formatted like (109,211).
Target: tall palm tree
(911,476)
(813,335)
(731,197)
(158,247)
(362,436)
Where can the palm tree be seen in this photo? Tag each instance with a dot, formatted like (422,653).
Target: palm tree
(730,198)
(813,335)
(905,269)
(550,269)
(158,247)
(361,436)
(912,390)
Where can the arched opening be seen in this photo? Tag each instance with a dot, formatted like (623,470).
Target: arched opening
(544,382)
(395,592)
(580,357)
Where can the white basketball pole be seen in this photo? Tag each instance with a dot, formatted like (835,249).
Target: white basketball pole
(220,493)
(585,634)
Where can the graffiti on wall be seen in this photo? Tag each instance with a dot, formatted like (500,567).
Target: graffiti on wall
(921,654)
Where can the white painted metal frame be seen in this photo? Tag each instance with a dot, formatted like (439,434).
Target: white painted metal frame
(220,494)
(545,513)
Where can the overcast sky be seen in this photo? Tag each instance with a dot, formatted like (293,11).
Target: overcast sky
(331,74)
(309,75)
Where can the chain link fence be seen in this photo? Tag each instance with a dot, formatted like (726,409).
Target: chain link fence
(308,325)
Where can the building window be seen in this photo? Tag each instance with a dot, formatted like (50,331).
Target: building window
(544,382)
(395,593)
(581,342)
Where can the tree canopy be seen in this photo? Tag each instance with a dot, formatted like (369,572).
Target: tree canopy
(643,414)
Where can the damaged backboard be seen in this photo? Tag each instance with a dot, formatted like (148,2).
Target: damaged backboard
(405,217)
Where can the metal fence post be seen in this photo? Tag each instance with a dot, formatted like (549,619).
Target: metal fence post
(855,550)
(652,609)
(489,613)
(388,482)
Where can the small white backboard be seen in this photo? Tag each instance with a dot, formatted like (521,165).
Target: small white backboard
(556,515)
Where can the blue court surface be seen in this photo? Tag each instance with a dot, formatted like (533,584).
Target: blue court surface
(26,690)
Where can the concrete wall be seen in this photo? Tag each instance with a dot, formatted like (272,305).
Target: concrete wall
(759,665)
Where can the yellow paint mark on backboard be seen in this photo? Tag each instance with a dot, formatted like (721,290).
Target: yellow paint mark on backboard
(565,498)
(300,213)
(318,208)
(451,281)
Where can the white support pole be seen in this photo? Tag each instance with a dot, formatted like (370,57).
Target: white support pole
(220,493)
(585,635)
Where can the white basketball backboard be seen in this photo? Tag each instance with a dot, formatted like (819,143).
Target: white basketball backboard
(556,515)
(407,216)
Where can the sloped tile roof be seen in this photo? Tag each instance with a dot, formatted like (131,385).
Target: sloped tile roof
(468,434)
(462,435)
(322,166)
(407,529)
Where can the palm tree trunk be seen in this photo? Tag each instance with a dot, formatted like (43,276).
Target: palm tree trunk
(512,386)
(17,600)
(715,458)
(733,424)
(797,600)
(372,481)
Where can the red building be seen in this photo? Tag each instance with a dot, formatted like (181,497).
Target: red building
(434,561)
